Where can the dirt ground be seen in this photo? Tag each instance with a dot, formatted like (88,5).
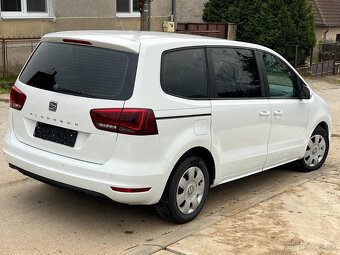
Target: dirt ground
(280,211)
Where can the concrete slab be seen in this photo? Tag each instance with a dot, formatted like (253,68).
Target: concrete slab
(145,250)
(303,220)
(163,252)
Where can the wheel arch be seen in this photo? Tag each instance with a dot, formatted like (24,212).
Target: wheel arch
(207,157)
(166,205)
(324,126)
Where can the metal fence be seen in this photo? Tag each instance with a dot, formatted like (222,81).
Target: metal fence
(324,57)
(14,53)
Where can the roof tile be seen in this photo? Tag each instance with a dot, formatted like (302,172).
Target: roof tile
(326,12)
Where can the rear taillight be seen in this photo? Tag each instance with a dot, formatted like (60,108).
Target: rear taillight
(126,121)
(17,98)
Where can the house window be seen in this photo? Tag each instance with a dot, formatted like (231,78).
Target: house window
(36,6)
(11,6)
(127,8)
(337,37)
(25,9)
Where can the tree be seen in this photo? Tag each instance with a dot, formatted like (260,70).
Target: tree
(277,24)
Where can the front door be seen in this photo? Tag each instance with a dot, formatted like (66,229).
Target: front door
(289,112)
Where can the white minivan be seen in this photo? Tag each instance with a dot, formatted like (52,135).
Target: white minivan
(158,118)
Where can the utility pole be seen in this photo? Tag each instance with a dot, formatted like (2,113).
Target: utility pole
(145,14)
(141,4)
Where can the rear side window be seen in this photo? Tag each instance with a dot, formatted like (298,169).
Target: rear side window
(82,70)
(236,73)
(184,73)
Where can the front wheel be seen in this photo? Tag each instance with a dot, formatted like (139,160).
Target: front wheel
(316,151)
(186,191)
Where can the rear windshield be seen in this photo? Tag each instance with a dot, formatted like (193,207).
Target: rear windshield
(82,70)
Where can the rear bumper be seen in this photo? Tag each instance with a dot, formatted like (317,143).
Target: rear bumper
(58,184)
(90,176)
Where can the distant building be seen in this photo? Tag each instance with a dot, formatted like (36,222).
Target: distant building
(34,18)
(326,19)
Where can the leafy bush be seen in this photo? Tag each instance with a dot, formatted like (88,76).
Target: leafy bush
(6,84)
(277,24)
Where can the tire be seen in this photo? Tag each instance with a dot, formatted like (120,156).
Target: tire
(316,151)
(186,191)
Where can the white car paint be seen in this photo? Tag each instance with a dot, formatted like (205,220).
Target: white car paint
(243,136)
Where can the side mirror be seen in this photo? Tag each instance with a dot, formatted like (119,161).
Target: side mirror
(304,92)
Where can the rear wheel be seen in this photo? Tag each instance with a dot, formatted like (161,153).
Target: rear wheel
(316,151)
(186,191)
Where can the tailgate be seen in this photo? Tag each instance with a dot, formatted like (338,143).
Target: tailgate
(73,113)
(62,84)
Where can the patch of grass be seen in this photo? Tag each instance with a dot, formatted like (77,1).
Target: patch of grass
(6,84)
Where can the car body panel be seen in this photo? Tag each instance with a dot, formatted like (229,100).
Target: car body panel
(240,136)
(288,131)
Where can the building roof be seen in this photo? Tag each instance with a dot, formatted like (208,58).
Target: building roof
(326,12)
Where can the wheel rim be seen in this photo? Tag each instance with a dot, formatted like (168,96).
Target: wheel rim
(190,190)
(315,152)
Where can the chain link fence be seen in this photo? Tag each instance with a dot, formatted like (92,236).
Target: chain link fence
(14,53)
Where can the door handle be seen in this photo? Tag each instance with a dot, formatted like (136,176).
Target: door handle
(278,113)
(264,114)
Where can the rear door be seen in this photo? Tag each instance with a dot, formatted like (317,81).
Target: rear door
(289,112)
(62,83)
(240,114)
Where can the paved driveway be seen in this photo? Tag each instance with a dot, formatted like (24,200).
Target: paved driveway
(36,218)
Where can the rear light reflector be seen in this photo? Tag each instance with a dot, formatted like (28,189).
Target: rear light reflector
(17,98)
(125,121)
(76,41)
(130,190)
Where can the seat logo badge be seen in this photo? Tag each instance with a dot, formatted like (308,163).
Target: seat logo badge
(53,105)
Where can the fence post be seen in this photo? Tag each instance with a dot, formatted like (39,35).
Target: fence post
(296,55)
(6,59)
(334,57)
(3,58)
(232,30)
(311,56)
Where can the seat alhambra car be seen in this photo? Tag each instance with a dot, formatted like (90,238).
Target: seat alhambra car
(157,118)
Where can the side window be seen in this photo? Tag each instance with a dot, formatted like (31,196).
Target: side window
(236,73)
(184,73)
(282,81)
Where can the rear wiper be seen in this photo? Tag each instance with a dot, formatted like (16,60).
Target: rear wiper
(59,88)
